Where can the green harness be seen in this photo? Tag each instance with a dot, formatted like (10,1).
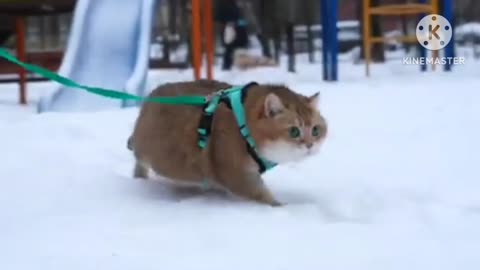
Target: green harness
(232,97)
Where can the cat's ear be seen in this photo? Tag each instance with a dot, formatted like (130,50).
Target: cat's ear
(273,105)
(314,99)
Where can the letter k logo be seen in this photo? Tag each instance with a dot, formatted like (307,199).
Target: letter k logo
(433,32)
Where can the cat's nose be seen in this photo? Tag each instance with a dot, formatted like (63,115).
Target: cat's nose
(309,145)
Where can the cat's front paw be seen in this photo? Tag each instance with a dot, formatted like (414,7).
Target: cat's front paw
(276,203)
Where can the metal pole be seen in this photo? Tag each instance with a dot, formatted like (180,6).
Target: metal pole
(196,39)
(208,31)
(448,14)
(333,11)
(22,56)
(325,39)
(367,32)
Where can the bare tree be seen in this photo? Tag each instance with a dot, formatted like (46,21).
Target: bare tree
(468,10)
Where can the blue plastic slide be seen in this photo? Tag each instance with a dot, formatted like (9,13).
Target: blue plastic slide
(108,47)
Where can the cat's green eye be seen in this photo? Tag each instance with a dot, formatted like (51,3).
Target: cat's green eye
(315,131)
(294,132)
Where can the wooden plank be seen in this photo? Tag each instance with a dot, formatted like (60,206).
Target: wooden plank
(49,60)
(36,7)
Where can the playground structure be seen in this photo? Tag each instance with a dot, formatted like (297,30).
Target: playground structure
(422,8)
(97,43)
(20,11)
(329,14)
(329,11)
(205,13)
(90,49)
(197,32)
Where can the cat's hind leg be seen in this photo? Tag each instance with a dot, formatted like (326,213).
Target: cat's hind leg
(140,169)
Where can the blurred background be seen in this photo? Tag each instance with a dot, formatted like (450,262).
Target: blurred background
(48,24)
(396,185)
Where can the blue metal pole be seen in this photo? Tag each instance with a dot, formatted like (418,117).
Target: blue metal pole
(448,14)
(325,39)
(333,34)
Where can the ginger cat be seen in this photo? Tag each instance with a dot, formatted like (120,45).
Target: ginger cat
(243,60)
(286,126)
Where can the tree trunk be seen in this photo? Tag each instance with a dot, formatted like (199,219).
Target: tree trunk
(289,31)
(275,27)
(169,29)
(265,35)
(310,44)
(290,47)
(309,11)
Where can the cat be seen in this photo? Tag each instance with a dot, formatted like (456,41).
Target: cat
(243,60)
(285,125)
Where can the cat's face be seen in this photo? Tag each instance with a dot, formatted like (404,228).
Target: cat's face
(295,128)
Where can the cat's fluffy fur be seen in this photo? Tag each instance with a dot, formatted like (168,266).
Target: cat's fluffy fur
(165,137)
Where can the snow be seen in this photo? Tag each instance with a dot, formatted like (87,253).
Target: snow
(396,185)
(468,28)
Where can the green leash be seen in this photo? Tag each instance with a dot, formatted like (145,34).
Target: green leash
(179,100)
(233,95)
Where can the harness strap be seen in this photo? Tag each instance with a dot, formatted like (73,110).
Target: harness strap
(205,127)
(234,98)
(236,101)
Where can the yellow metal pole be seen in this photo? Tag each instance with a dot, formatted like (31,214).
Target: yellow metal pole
(367,50)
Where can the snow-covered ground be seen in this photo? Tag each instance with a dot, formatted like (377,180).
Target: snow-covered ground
(397,185)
